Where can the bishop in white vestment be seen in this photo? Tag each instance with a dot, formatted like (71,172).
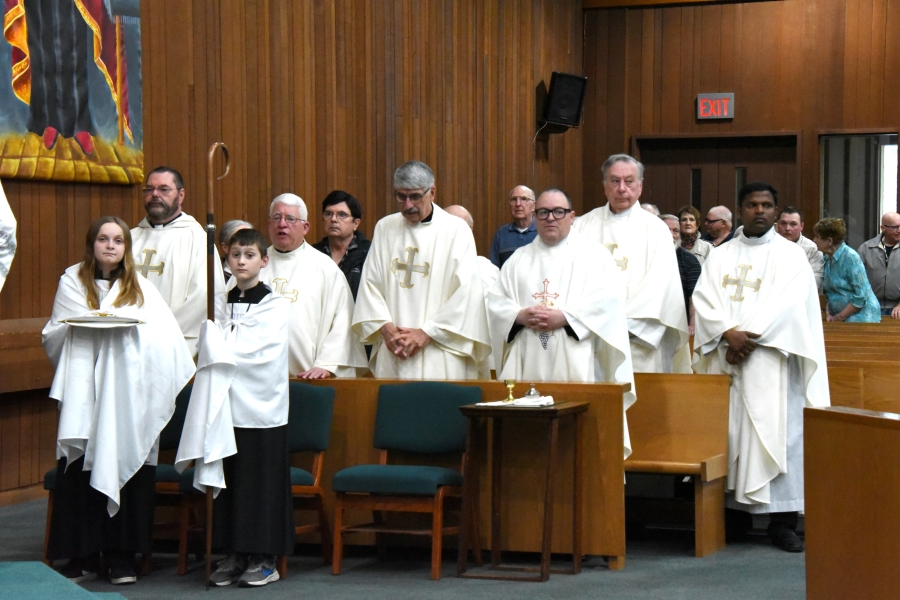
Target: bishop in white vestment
(561,274)
(641,246)
(758,320)
(169,249)
(420,302)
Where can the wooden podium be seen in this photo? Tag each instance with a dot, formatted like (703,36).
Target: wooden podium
(852,478)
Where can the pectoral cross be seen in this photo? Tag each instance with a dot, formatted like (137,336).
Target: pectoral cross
(147,268)
(279,284)
(740,283)
(409,267)
(545,295)
(622,263)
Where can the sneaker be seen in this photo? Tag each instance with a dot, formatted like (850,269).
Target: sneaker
(79,569)
(228,570)
(260,571)
(122,575)
(121,567)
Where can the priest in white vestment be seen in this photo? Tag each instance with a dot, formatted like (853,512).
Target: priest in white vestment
(421,303)
(321,303)
(170,251)
(758,320)
(557,312)
(7,237)
(642,247)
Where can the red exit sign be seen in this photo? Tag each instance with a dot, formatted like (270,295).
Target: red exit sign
(715,106)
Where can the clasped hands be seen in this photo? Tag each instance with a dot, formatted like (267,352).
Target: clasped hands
(541,318)
(740,345)
(404,342)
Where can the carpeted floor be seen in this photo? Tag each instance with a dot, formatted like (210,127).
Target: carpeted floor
(660,565)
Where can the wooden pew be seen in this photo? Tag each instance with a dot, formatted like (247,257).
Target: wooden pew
(23,361)
(852,522)
(679,425)
(865,384)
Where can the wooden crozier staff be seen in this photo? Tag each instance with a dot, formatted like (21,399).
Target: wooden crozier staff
(211,302)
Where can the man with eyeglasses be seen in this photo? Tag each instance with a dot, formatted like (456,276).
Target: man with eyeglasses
(557,312)
(641,246)
(521,231)
(169,248)
(718,226)
(420,303)
(319,340)
(882,263)
(343,242)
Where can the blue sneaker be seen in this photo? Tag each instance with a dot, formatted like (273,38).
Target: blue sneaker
(260,571)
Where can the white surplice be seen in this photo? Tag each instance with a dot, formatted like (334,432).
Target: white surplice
(641,245)
(242,381)
(763,285)
(578,277)
(7,237)
(321,305)
(116,387)
(173,258)
(489,274)
(424,276)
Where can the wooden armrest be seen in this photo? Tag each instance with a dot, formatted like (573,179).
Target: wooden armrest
(659,466)
(714,468)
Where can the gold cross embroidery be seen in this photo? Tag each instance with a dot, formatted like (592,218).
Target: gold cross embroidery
(622,263)
(409,267)
(279,284)
(740,283)
(146,268)
(545,295)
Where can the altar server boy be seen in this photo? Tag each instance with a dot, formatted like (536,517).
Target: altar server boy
(236,426)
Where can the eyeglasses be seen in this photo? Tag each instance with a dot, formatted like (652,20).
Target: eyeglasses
(340,216)
(415,197)
(711,221)
(558,213)
(522,199)
(615,181)
(289,219)
(892,227)
(163,190)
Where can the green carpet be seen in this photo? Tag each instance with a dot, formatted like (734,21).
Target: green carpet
(37,581)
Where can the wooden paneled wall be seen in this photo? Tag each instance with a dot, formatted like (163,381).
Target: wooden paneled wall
(796,65)
(317,95)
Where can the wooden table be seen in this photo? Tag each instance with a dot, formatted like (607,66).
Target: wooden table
(552,415)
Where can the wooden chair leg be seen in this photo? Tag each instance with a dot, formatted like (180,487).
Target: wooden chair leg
(437,534)
(709,516)
(281,566)
(184,524)
(324,530)
(47,560)
(338,546)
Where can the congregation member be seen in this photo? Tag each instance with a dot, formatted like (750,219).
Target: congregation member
(170,251)
(7,237)
(651,208)
(689,222)
(421,303)
(848,295)
(225,232)
(236,428)
(321,304)
(882,270)
(718,226)
(122,335)
(688,267)
(790,227)
(758,320)
(641,246)
(521,231)
(557,312)
(343,242)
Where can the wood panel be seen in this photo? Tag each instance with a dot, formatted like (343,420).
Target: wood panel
(317,95)
(27,438)
(796,65)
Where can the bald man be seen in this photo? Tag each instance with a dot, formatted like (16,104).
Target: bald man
(718,226)
(521,231)
(883,264)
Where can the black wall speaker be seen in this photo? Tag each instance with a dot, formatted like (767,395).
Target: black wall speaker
(565,99)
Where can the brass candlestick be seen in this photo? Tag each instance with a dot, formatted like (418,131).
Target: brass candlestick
(510,384)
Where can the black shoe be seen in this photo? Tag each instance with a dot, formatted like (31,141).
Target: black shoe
(80,569)
(786,539)
(121,567)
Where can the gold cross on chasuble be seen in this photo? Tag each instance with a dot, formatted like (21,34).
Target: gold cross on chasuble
(279,283)
(409,267)
(740,283)
(545,296)
(146,268)
(622,263)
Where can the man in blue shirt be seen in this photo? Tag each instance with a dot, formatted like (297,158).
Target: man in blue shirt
(521,231)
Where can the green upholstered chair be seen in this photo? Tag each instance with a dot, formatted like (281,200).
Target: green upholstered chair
(421,418)
(309,430)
